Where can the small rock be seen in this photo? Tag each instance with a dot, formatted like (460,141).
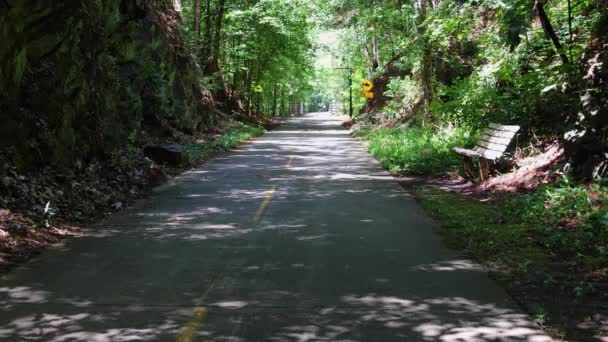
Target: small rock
(117,205)
(7,181)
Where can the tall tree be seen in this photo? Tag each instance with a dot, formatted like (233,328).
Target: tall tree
(197,22)
(215,50)
(207,45)
(539,9)
(426,75)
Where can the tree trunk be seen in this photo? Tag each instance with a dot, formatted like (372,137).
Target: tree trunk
(368,61)
(258,104)
(421,15)
(197,23)
(177,5)
(427,63)
(215,55)
(282,112)
(206,54)
(427,75)
(548,28)
(570,41)
(375,54)
(274,100)
(375,51)
(249,86)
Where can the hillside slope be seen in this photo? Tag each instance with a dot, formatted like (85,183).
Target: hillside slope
(84,78)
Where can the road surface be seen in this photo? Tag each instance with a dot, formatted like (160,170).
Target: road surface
(296,236)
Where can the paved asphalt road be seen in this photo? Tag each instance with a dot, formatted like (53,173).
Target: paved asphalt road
(296,236)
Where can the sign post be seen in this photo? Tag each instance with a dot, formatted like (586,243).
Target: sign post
(350,89)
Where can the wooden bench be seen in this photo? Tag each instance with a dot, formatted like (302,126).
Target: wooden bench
(491,146)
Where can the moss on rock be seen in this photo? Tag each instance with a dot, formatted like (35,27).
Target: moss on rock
(83,77)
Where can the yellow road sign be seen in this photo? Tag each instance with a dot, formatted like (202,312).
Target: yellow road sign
(367,85)
(368,94)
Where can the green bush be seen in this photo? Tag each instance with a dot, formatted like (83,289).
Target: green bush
(232,137)
(570,218)
(561,229)
(418,150)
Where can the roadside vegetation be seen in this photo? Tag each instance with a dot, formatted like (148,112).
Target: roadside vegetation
(553,268)
(415,150)
(232,137)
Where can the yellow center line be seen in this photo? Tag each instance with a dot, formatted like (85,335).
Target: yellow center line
(200,313)
(265,203)
(192,327)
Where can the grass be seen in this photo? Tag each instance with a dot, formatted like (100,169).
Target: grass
(562,224)
(198,153)
(570,220)
(416,150)
(530,244)
(483,230)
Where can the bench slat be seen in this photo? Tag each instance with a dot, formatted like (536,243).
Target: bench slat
(488,154)
(467,152)
(479,152)
(496,140)
(493,142)
(492,146)
(498,133)
(507,128)
(492,155)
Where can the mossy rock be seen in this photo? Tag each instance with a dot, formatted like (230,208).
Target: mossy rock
(94,72)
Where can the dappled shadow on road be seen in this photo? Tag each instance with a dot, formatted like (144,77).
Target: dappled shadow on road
(278,315)
(67,319)
(246,307)
(339,253)
(217,201)
(388,318)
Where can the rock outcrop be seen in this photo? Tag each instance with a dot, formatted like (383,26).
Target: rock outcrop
(81,79)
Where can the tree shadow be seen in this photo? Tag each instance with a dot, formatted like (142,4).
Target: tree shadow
(340,253)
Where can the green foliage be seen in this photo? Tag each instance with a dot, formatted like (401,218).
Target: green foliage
(265,52)
(490,62)
(482,229)
(417,150)
(231,138)
(403,93)
(531,229)
(571,218)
